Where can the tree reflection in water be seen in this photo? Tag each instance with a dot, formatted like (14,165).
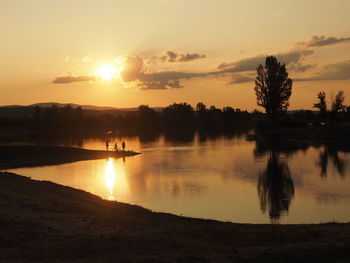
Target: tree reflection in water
(330,152)
(275,187)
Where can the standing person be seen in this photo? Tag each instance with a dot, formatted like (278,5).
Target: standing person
(116,146)
(107,145)
(123,145)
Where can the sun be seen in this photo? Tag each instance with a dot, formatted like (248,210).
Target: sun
(107,71)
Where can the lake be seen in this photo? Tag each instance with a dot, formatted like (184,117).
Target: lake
(222,177)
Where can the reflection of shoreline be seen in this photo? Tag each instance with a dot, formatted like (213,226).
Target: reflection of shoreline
(331,153)
(275,188)
(277,199)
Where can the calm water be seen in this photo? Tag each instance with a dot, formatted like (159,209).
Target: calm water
(221,177)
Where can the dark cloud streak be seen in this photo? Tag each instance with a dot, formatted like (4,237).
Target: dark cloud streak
(172,56)
(70,79)
(241,79)
(336,71)
(321,41)
(250,64)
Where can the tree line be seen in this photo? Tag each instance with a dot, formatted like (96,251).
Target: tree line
(176,115)
(273,88)
(337,107)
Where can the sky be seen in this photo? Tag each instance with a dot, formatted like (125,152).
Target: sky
(157,52)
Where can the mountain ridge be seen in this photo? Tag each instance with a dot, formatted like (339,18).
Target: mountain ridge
(58,104)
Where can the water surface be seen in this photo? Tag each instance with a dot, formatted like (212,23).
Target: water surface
(219,177)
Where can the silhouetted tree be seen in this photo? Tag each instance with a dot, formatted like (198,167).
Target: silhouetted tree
(51,117)
(147,116)
(179,114)
(67,115)
(201,107)
(338,103)
(37,113)
(229,116)
(321,105)
(201,114)
(56,117)
(78,114)
(347,113)
(273,87)
(215,117)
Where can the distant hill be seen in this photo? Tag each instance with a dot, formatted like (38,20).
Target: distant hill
(85,107)
(26,111)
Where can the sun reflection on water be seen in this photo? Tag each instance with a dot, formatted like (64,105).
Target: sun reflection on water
(115,179)
(110,177)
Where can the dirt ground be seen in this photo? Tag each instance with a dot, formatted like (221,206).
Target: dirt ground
(44,222)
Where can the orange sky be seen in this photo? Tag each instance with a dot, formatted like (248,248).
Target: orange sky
(162,51)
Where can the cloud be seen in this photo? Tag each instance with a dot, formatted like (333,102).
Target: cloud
(175,84)
(172,56)
(250,64)
(300,67)
(321,41)
(336,71)
(189,57)
(237,78)
(161,84)
(171,75)
(148,85)
(132,69)
(70,79)
(165,80)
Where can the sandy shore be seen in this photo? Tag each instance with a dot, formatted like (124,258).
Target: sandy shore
(16,156)
(44,222)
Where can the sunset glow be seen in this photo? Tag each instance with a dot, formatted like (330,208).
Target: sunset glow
(114,114)
(107,71)
(151,60)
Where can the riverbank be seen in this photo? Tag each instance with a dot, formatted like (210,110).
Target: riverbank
(16,156)
(44,222)
(335,133)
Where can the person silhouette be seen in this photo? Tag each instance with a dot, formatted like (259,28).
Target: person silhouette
(116,146)
(123,145)
(107,145)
